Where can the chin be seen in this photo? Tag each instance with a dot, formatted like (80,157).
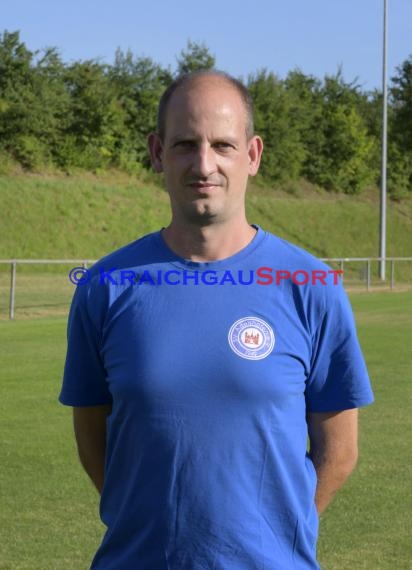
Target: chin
(201,215)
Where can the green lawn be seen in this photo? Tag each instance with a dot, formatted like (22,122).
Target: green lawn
(368,526)
(49,510)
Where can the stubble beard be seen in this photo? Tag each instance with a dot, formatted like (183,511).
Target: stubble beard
(199,214)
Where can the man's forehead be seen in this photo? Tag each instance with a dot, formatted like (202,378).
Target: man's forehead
(206,104)
(199,122)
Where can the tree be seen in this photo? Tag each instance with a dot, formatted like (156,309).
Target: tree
(95,118)
(341,150)
(196,57)
(138,83)
(400,131)
(401,97)
(33,101)
(305,99)
(51,101)
(16,94)
(284,153)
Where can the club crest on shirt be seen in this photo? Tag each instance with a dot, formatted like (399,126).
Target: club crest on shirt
(251,338)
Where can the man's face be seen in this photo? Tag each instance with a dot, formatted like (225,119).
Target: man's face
(205,156)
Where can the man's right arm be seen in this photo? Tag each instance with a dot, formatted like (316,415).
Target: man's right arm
(90,432)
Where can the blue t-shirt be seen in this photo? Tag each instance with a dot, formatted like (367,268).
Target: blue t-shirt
(211,369)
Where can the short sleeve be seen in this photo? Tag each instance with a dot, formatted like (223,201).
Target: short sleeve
(338,377)
(84,379)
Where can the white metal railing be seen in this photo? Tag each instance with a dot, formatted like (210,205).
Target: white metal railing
(86,262)
(368,260)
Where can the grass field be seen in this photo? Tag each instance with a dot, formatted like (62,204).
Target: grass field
(49,510)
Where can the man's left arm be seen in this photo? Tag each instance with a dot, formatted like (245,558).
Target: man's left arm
(333,449)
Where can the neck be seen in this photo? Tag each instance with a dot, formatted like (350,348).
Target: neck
(208,243)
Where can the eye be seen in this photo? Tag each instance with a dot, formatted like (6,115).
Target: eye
(184,144)
(223,145)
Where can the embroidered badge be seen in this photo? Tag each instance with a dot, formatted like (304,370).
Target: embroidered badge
(251,338)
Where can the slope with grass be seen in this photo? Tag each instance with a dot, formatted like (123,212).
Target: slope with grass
(88,216)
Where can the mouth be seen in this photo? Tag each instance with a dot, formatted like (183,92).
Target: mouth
(202,186)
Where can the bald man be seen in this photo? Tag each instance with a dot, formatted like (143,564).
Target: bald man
(198,368)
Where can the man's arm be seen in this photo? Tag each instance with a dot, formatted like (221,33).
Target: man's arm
(334,451)
(90,432)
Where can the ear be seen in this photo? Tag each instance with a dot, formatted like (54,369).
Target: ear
(156,152)
(255,149)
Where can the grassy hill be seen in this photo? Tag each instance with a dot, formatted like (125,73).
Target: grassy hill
(87,216)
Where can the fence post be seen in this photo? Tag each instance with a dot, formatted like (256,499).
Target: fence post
(12,289)
(341,268)
(368,275)
(392,273)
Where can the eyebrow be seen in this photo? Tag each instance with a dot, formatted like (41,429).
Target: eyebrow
(179,138)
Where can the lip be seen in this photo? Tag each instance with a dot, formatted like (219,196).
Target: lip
(201,186)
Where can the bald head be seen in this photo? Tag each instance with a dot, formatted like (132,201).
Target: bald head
(195,80)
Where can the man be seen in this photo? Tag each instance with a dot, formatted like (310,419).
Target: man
(196,384)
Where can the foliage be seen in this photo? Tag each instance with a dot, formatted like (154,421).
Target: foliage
(400,157)
(138,84)
(338,141)
(284,152)
(94,116)
(195,58)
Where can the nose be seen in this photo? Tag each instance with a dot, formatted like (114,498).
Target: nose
(203,161)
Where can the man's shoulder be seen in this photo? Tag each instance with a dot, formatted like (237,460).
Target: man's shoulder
(292,254)
(132,254)
(309,278)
